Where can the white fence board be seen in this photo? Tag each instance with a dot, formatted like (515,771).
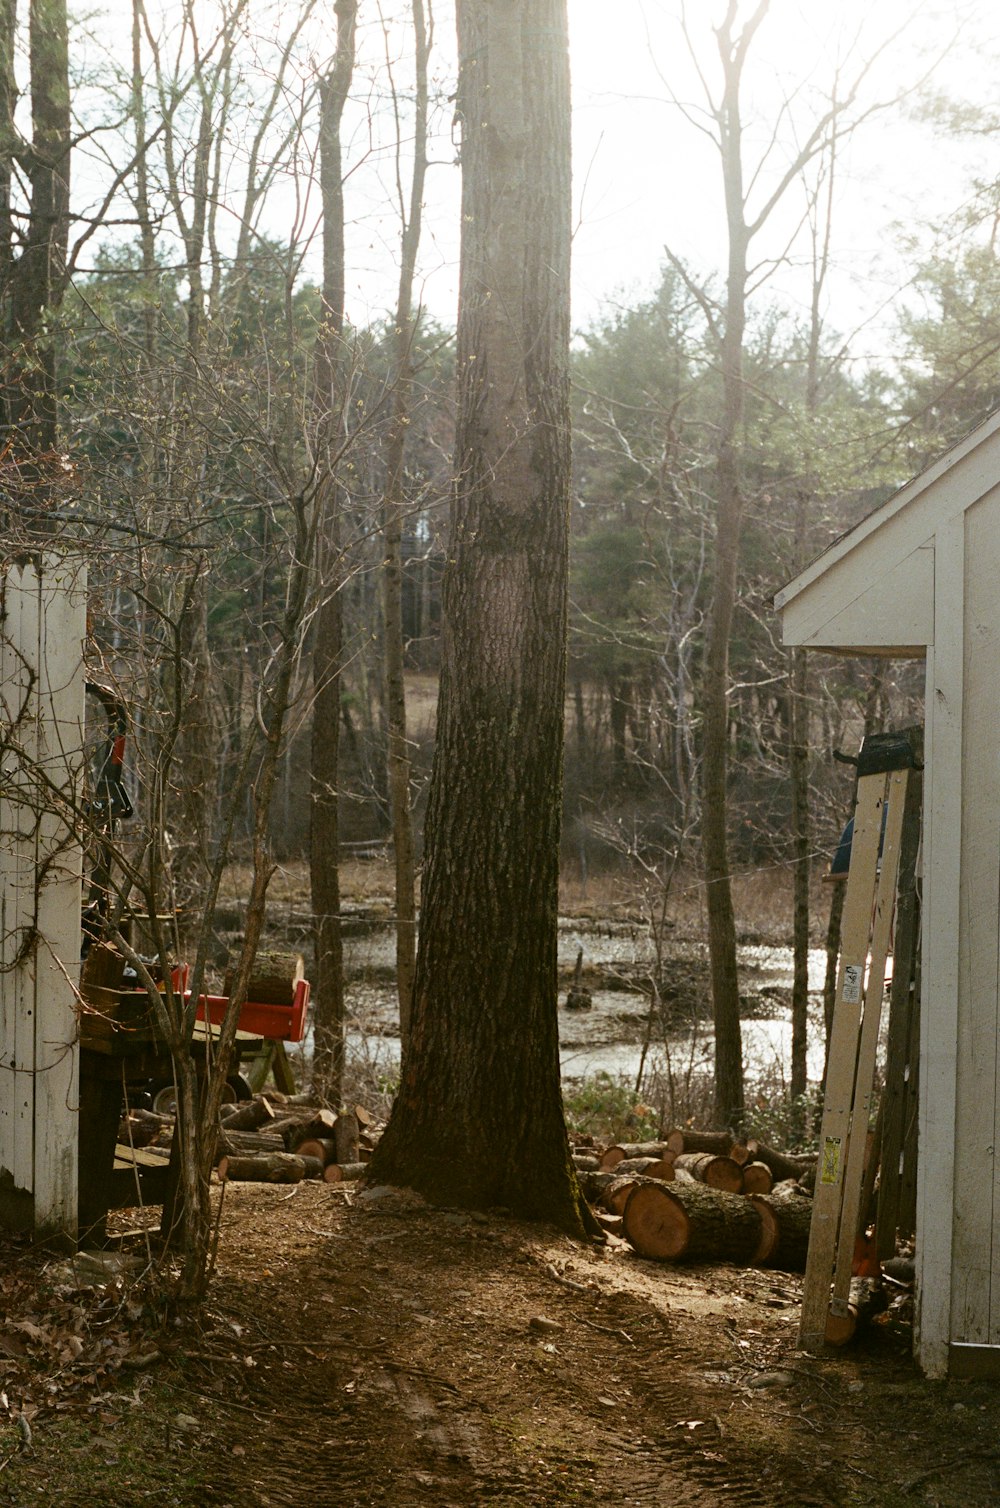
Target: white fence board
(41,710)
(57,960)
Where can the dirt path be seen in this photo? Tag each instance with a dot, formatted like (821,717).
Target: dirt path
(382,1353)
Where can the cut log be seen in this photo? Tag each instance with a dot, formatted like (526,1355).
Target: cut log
(626,1151)
(365,1117)
(793,1212)
(770,1230)
(248,1115)
(320,1124)
(585,1164)
(718,1142)
(716,1171)
(686,1221)
(348,1172)
(143,1127)
(616,1195)
(662,1168)
(288,1126)
(867,1299)
(276,1167)
(323,1148)
(593,1184)
(313,1166)
(273,979)
(247,1143)
(757,1178)
(640,1165)
(782,1164)
(346,1132)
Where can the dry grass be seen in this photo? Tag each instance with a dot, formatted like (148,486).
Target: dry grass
(762,898)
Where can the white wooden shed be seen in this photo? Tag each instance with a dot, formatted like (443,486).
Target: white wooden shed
(920,576)
(42,627)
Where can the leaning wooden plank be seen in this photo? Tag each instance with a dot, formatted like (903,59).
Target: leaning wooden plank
(687,1221)
(855,934)
(854,1171)
(903,1004)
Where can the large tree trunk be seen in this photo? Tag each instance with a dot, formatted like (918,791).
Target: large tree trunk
(482,1070)
(36,279)
(394,508)
(715,685)
(324,850)
(798,751)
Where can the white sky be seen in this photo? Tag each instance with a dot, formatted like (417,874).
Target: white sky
(645,177)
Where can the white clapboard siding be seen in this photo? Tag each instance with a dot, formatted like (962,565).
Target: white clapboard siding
(41,708)
(920,575)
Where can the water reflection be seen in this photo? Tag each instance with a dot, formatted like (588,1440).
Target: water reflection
(610,1037)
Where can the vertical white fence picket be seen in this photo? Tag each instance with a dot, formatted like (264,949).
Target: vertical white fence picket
(41,763)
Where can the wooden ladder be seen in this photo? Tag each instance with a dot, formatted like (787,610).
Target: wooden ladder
(885,766)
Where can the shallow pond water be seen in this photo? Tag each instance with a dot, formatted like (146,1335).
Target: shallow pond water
(609,1037)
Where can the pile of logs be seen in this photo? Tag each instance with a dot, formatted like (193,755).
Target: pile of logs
(702,1196)
(274,1138)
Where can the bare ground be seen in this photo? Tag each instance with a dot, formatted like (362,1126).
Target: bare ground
(359,1350)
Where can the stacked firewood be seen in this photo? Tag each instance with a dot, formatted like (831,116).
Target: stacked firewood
(703,1196)
(276,1138)
(272,1138)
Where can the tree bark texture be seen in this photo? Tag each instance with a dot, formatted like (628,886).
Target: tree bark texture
(798,761)
(398,761)
(686,1220)
(324,849)
(728,531)
(35,279)
(482,1070)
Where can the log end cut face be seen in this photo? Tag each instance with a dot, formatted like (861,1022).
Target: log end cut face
(657,1223)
